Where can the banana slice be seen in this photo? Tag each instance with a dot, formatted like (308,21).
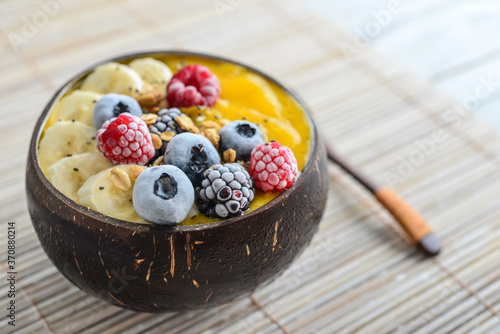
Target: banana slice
(78,105)
(113,78)
(69,173)
(153,71)
(110,192)
(65,138)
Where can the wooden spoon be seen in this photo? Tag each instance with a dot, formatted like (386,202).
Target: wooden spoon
(410,220)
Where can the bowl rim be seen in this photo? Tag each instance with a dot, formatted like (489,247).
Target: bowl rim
(119,223)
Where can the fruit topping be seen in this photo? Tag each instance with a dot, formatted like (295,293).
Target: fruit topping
(152,71)
(193,154)
(112,105)
(64,139)
(171,120)
(125,140)
(163,195)
(113,78)
(226,191)
(156,76)
(165,125)
(110,192)
(69,173)
(242,137)
(78,105)
(193,85)
(273,167)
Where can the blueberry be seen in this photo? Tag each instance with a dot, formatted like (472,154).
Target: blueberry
(193,154)
(112,105)
(163,195)
(241,136)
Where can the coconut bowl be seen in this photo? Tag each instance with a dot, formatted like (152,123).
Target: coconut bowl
(158,269)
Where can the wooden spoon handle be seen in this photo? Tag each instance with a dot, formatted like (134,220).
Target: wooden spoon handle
(412,222)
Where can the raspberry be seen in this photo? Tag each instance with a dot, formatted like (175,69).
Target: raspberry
(273,167)
(193,85)
(125,140)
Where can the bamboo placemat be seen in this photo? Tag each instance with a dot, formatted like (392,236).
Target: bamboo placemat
(357,275)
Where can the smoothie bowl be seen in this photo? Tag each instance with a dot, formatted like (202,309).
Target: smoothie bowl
(168,181)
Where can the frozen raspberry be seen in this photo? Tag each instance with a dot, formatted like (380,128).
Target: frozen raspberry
(125,140)
(193,85)
(273,167)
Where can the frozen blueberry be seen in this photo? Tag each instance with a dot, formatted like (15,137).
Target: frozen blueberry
(192,153)
(241,136)
(112,105)
(163,195)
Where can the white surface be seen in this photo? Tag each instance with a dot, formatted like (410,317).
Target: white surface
(453,43)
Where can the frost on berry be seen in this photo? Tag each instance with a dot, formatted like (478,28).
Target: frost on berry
(125,140)
(273,167)
(193,85)
(226,191)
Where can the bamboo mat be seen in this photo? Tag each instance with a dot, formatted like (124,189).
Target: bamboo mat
(357,275)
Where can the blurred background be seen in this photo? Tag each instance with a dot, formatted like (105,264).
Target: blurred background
(454,44)
(451,43)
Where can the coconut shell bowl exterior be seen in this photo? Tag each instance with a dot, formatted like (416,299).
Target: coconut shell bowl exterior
(158,269)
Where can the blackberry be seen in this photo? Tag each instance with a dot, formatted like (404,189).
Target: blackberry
(226,191)
(166,122)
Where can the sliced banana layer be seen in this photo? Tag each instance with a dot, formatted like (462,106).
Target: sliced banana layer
(153,71)
(110,192)
(78,105)
(113,78)
(65,138)
(69,173)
